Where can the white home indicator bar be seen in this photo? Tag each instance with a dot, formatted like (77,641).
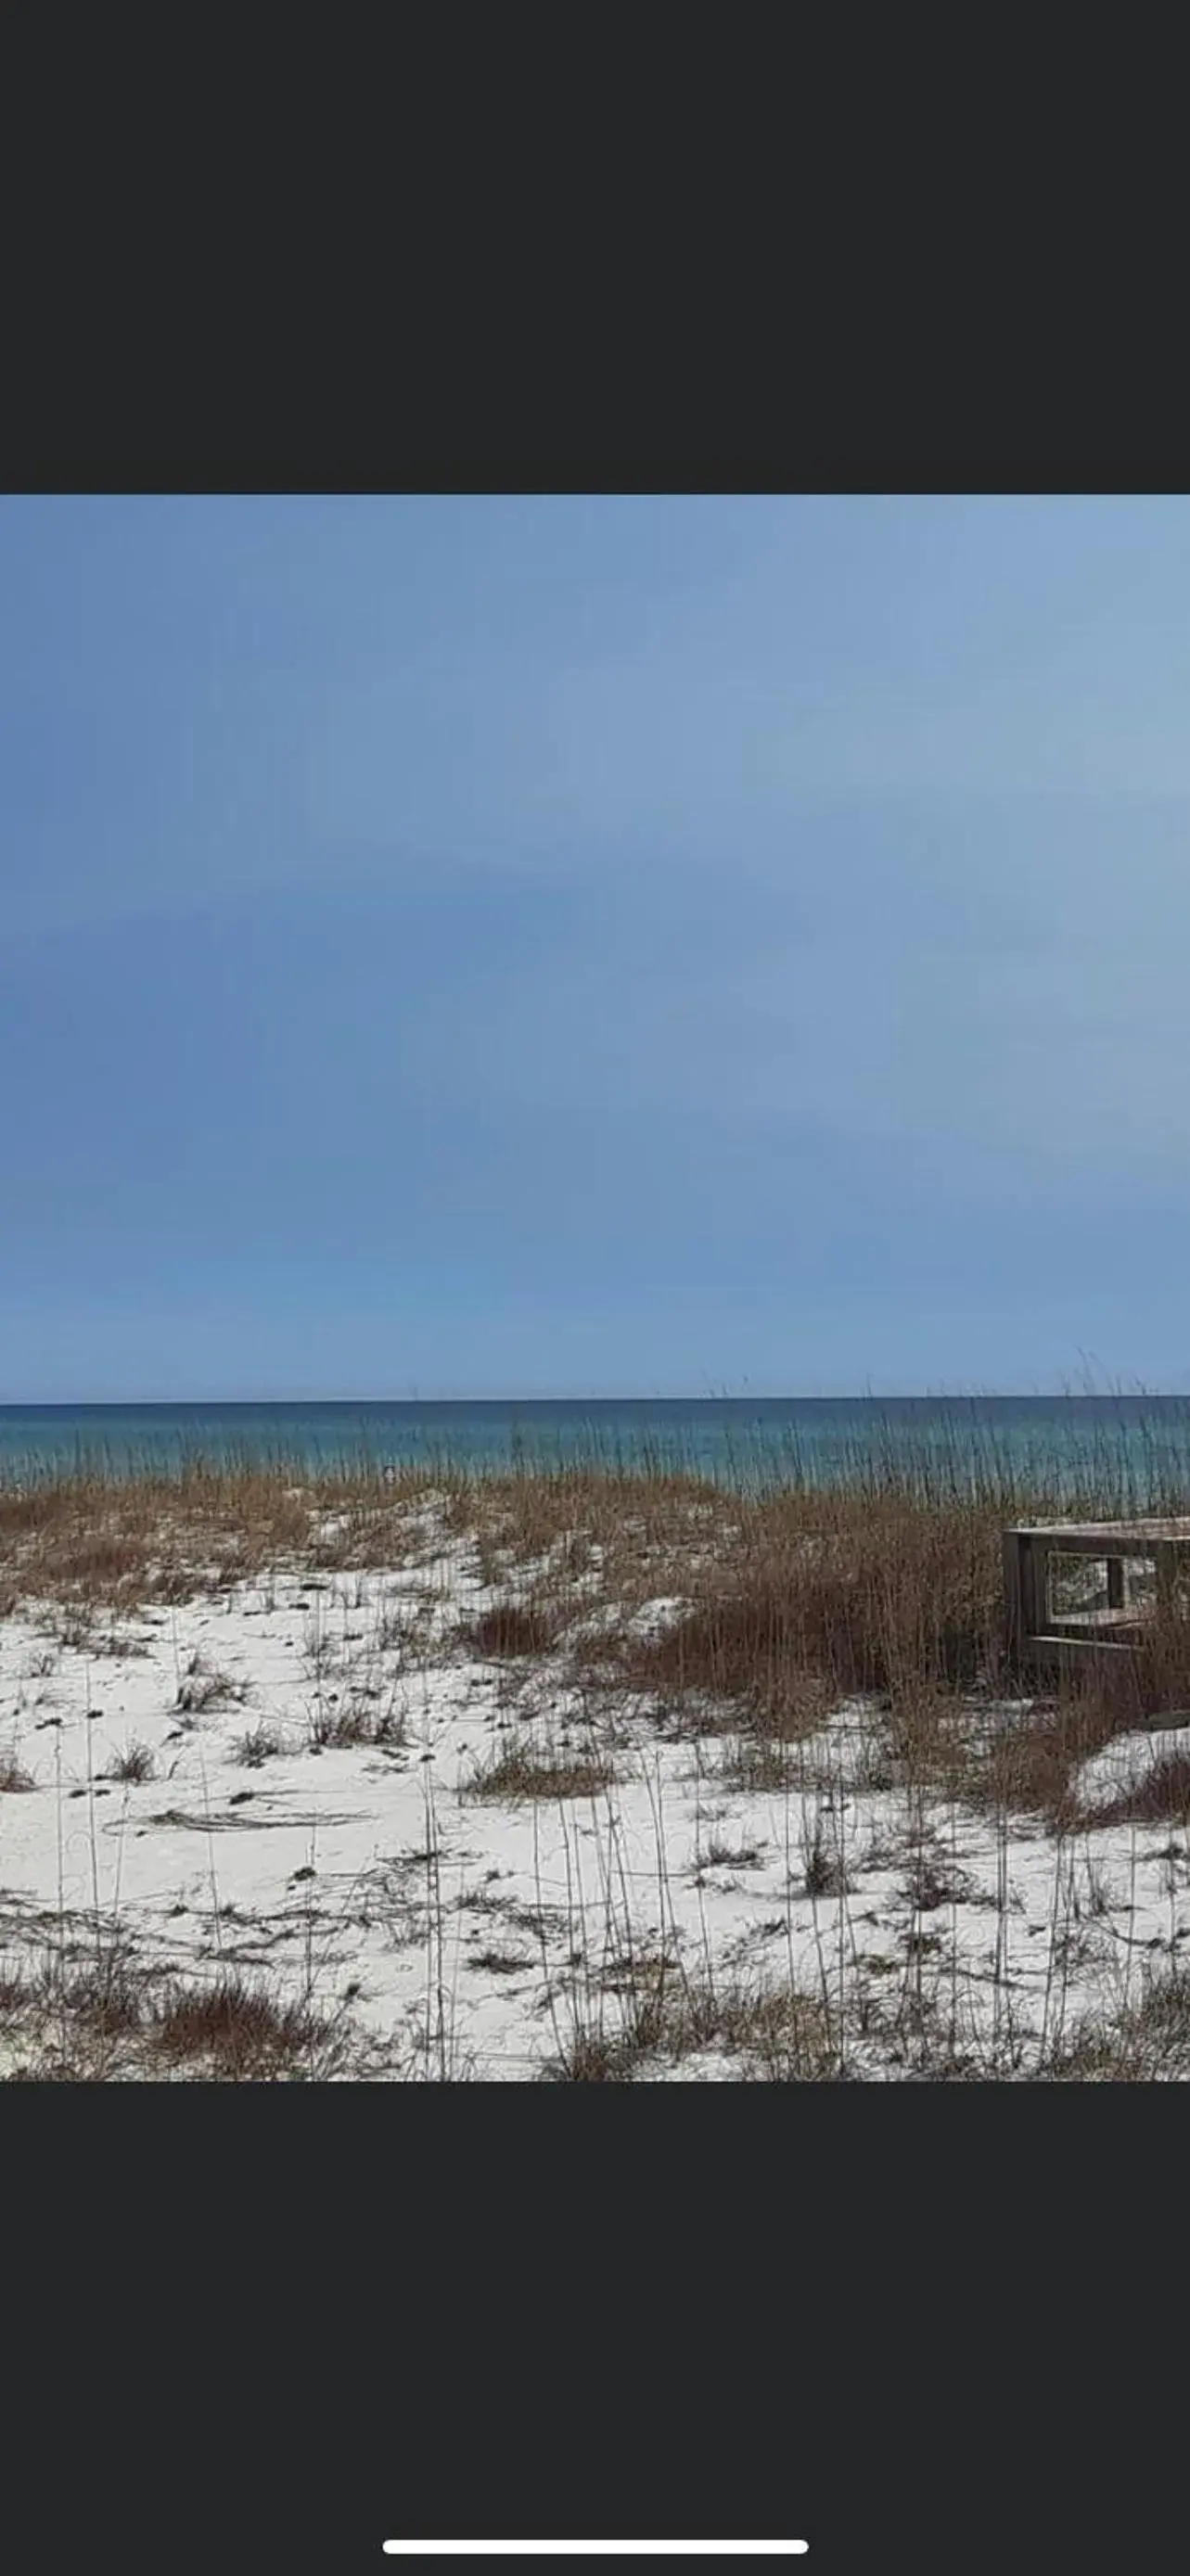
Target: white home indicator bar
(596,2548)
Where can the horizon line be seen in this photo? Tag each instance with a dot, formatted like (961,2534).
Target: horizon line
(866,1395)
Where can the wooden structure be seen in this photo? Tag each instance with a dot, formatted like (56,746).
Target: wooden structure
(1145,1564)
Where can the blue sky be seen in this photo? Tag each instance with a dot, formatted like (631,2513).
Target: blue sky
(593,945)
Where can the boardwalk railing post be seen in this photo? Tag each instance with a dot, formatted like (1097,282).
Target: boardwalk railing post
(1039,1632)
(1014,1626)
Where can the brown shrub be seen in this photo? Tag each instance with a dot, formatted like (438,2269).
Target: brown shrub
(357,1720)
(776,2033)
(523,1769)
(1163,1793)
(1142,2043)
(239,2029)
(511,1628)
(134,1764)
(791,1617)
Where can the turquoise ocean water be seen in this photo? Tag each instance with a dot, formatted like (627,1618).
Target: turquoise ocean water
(1078,1438)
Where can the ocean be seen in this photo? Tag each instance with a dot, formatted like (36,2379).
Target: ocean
(1075,1441)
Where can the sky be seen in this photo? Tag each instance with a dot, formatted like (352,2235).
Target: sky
(593,945)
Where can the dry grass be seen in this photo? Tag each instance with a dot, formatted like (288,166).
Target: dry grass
(96,1541)
(511,1628)
(259,1743)
(775,2033)
(14,1779)
(13,1993)
(238,2030)
(99,2015)
(1142,2043)
(823,1872)
(804,1594)
(134,1764)
(107,1996)
(758,1763)
(720,1854)
(886,1585)
(357,1719)
(1164,1794)
(119,1644)
(206,1687)
(1033,1762)
(81,2015)
(932,1883)
(523,1769)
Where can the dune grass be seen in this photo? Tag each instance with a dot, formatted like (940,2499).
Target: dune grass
(746,1607)
(785,1596)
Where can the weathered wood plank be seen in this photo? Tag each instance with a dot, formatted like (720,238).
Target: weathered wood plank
(1037,1632)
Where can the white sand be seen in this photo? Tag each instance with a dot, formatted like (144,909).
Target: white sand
(463,1939)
